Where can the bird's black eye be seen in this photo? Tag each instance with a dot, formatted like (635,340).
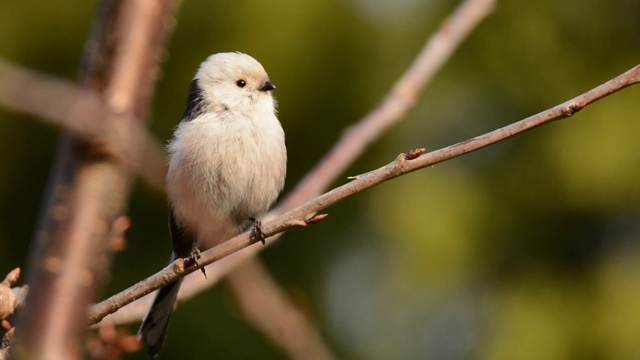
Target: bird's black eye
(241,83)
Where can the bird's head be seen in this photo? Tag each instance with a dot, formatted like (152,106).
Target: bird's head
(229,82)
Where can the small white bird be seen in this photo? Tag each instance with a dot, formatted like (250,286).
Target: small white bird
(227,167)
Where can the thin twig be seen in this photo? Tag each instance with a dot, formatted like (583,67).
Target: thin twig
(400,166)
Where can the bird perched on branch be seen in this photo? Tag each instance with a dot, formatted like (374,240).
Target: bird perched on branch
(227,167)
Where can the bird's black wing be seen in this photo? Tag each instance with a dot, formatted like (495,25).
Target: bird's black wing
(195,102)
(183,241)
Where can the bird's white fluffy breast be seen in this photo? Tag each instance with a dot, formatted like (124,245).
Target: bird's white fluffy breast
(224,169)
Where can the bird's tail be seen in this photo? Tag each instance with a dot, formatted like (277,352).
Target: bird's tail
(154,326)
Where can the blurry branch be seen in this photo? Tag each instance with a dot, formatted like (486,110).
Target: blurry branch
(111,343)
(403,164)
(11,298)
(83,113)
(71,251)
(353,142)
(397,102)
(269,309)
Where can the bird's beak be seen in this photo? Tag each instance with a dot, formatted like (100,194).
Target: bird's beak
(268,86)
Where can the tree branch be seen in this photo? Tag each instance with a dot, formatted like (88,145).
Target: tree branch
(83,113)
(11,298)
(400,166)
(71,247)
(275,314)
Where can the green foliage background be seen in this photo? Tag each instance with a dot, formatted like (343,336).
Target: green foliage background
(526,250)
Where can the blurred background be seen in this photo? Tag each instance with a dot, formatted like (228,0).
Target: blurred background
(528,249)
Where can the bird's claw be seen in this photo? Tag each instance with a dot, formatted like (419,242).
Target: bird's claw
(194,257)
(256,232)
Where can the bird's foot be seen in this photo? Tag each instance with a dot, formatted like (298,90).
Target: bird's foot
(256,232)
(194,257)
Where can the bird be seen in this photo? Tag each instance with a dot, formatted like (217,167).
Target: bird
(227,166)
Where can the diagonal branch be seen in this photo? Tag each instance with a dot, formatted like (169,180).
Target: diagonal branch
(275,314)
(83,113)
(396,103)
(400,166)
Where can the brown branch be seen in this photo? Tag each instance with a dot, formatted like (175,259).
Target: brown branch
(432,56)
(400,166)
(11,298)
(275,314)
(89,189)
(84,114)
